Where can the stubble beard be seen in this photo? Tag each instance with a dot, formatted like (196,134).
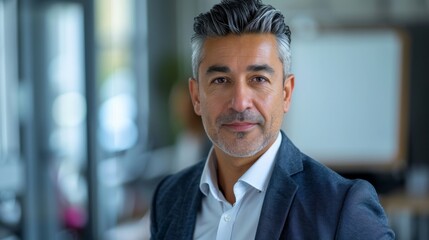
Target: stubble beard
(241,145)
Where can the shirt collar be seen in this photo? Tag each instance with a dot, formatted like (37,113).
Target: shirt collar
(257,175)
(208,181)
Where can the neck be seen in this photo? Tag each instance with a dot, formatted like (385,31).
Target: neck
(229,170)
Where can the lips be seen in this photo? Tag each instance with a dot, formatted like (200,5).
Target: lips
(240,121)
(240,126)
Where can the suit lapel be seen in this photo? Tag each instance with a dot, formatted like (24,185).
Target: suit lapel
(280,192)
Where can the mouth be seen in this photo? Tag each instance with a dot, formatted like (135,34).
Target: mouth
(240,126)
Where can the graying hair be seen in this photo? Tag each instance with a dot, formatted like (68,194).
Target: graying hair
(240,17)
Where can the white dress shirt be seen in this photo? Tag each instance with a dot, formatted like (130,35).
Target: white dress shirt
(220,220)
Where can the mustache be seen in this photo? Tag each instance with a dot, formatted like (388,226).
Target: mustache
(245,116)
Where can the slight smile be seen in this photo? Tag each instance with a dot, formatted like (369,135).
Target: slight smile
(240,126)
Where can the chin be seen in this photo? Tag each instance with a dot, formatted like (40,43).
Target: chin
(241,150)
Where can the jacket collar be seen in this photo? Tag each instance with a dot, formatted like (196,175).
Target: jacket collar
(281,191)
(278,199)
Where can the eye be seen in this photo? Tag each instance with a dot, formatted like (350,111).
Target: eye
(259,79)
(220,80)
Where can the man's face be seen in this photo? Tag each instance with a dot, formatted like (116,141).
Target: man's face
(241,93)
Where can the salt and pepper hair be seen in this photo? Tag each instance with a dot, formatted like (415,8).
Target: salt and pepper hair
(240,17)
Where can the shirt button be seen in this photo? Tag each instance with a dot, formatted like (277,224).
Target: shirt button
(227,218)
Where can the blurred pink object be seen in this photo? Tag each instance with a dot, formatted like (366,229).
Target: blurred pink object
(74,217)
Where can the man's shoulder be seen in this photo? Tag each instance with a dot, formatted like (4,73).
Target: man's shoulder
(321,171)
(181,181)
(318,178)
(307,173)
(311,175)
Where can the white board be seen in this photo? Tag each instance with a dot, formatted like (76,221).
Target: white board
(346,106)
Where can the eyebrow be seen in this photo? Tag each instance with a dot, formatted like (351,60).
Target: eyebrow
(261,68)
(251,68)
(218,68)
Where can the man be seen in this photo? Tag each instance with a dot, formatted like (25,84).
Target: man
(255,183)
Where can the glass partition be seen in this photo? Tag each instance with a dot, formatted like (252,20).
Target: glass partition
(11,172)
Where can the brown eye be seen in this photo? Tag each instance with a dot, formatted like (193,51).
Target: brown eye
(219,81)
(259,79)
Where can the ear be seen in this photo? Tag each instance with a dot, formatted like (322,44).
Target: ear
(287,92)
(195,95)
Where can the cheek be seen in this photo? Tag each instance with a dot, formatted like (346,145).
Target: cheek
(209,109)
(268,101)
(271,108)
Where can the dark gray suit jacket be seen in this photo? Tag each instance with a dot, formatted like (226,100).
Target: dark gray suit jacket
(304,200)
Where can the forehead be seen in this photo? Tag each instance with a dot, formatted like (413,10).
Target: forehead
(240,51)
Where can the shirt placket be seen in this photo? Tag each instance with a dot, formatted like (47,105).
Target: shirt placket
(226,222)
(230,212)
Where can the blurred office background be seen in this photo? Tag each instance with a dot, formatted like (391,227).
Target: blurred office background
(92,109)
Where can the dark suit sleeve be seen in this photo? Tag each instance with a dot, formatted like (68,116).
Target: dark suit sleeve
(154,212)
(153,222)
(362,216)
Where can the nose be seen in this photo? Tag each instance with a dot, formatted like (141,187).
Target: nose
(241,97)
